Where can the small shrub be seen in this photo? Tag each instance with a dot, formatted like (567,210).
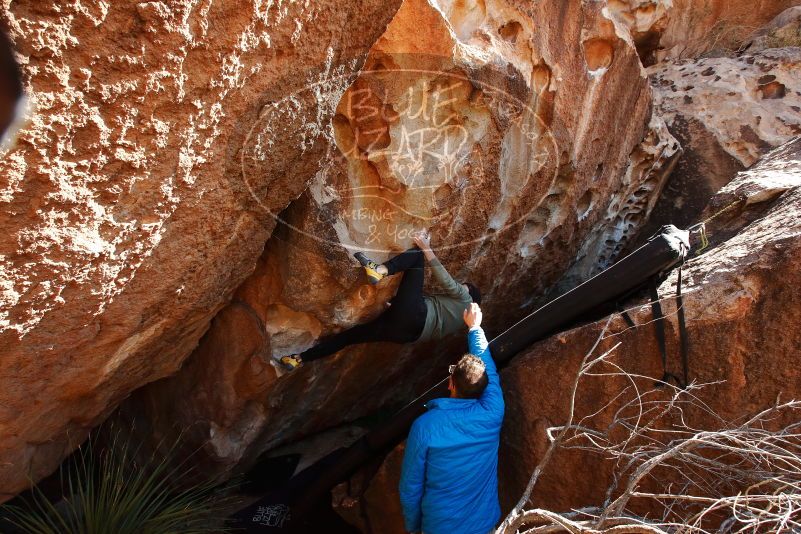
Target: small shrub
(108,491)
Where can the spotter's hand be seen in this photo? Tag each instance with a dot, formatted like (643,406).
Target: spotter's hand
(472,315)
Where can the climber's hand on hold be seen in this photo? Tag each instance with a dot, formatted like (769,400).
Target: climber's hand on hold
(423,241)
(472,316)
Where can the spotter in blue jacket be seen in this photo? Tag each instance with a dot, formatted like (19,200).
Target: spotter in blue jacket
(449,480)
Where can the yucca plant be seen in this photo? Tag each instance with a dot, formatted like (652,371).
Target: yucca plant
(108,491)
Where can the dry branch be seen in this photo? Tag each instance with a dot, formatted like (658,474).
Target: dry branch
(740,476)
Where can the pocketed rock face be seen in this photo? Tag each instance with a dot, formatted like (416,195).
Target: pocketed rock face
(369,500)
(506,138)
(740,299)
(646,20)
(127,221)
(726,113)
(630,207)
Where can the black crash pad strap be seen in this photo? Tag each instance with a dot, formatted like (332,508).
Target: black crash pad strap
(627,318)
(683,337)
(659,331)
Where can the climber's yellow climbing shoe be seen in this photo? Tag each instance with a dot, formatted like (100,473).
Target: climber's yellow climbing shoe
(370,267)
(290,363)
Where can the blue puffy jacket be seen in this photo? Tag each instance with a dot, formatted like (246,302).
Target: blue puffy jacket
(449,481)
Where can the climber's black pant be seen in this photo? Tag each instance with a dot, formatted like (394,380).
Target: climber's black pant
(402,323)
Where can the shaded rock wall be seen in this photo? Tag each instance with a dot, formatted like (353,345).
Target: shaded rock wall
(508,139)
(740,301)
(369,500)
(126,219)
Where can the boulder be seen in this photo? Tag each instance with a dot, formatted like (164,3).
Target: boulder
(515,143)
(726,113)
(127,224)
(195,178)
(699,28)
(781,32)
(740,300)
(665,30)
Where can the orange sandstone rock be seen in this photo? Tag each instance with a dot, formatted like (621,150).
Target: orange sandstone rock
(127,221)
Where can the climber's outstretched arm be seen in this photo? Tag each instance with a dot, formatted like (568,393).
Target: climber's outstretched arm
(451,287)
(492,398)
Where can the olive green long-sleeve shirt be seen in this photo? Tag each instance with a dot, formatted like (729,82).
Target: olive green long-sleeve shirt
(445,309)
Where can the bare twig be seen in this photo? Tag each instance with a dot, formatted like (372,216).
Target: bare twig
(516,517)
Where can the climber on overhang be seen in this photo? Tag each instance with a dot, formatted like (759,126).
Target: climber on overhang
(412,316)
